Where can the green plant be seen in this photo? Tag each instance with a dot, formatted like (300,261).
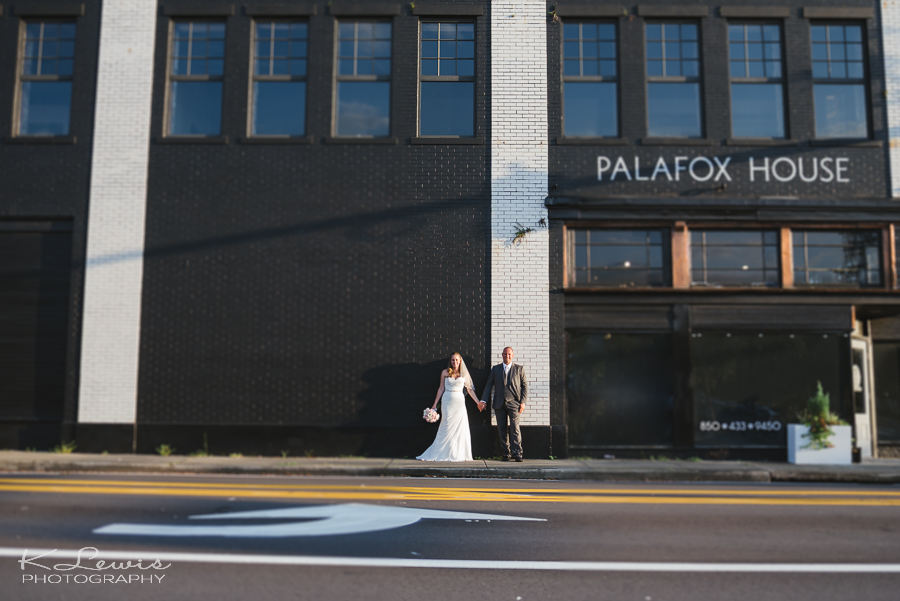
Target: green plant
(310,453)
(165,450)
(521,232)
(205,451)
(284,454)
(30,450)
(65,447)
(236,455)
(552,457)
(695,459)
(105,453)
(818,418)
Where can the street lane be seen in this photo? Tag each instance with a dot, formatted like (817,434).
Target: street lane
(700,524)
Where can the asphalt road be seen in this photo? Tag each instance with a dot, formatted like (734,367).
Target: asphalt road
(397,539)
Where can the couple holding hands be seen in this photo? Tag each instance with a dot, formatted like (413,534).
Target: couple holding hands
(454,441)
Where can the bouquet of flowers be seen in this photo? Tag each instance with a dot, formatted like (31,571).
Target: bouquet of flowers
(431,416)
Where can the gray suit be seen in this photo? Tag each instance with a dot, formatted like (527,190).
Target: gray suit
(511,393)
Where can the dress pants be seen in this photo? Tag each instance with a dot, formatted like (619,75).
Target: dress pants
(508,429)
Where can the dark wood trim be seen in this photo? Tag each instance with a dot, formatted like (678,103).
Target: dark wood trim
(48,9)
(450,10)
(49,140)
(362,141)
(298,9)
(681,256)
(198,10)
(787,258)
(751,317)
(562,141)
(432,140)
(755,12)
(852,143)
(759,142)
(62,224)
(835,12)
(346,9)
(590,10)
(677,142)
(889,240)
(677,10)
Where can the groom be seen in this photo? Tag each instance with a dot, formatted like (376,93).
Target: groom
(509,402)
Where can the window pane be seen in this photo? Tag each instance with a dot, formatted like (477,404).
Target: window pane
(622,258)
(732,258)
(45,108)
(840,111)
(673,110)
(196,108)
(363,108)
(757,111)
(612,401)
(447,108)
(851,259)
(279,108)
(591,109)
(759,383)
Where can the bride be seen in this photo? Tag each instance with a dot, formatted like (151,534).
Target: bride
(453,441)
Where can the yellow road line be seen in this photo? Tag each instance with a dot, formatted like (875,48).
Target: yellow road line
(436,490)
(442,495)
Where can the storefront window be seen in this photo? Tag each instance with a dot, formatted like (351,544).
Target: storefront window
(748,386)
(734,258)
(622,258)
(589,80)
(845,259)
(619,389)
(887,390)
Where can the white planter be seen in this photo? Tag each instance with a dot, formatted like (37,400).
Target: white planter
(839,454)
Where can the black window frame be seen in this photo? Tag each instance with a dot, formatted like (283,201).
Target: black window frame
(446,78)
(864,81)
(22,77)
(172,77)
(338,77)
(615,79)
(748,80)
(703,250)
(665,246)
(256,78)
(698,79)
(805,268)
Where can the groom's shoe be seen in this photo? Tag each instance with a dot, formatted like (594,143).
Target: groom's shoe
(518,460)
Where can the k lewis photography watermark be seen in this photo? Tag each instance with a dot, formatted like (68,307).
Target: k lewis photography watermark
(43,567)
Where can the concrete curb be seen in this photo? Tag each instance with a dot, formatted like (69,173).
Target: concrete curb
(615,470)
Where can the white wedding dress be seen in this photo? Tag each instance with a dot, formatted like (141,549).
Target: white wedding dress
(453,441)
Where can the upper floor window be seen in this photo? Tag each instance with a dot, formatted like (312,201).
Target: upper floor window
(839,81)
(734,258)
(279,79)
(447,79)
(757,94)
(673,80)
(45,80)
(621,258)
(829,258)
(590,80)
(363,106)
(195,78)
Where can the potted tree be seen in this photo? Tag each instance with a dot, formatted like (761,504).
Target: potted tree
(821,437)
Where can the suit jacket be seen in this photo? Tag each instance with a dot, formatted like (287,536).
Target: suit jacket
(511,388)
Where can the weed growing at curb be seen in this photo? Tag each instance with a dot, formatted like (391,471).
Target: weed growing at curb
(165,450)
(64,447)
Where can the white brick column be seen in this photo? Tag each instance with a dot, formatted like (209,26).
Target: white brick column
(519,270)
(110,334)
(890,37)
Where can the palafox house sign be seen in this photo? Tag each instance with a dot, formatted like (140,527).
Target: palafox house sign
(721,169)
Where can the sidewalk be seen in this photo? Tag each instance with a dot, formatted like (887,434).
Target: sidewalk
(876,471)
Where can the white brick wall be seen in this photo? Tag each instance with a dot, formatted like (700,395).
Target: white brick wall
(519,271)
(115,245)
(890,32)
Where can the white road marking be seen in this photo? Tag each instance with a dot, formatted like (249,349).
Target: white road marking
(386,562)
(350,518)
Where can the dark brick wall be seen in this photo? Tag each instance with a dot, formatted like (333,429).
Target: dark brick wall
(318,285)
(49,183)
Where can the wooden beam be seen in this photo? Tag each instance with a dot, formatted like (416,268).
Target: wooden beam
(889,239)
(681,256)
(787,258)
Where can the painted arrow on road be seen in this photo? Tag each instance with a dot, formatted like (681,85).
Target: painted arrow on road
(328,520)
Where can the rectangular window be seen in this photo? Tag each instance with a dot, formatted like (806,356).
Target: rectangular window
(621,258)
(195,78)
(590,76)
(734,258)
(845,259)
(757,93)
(45,80)
(839,81)
(279,79)
(363,79)
(447,79)
(673,80)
